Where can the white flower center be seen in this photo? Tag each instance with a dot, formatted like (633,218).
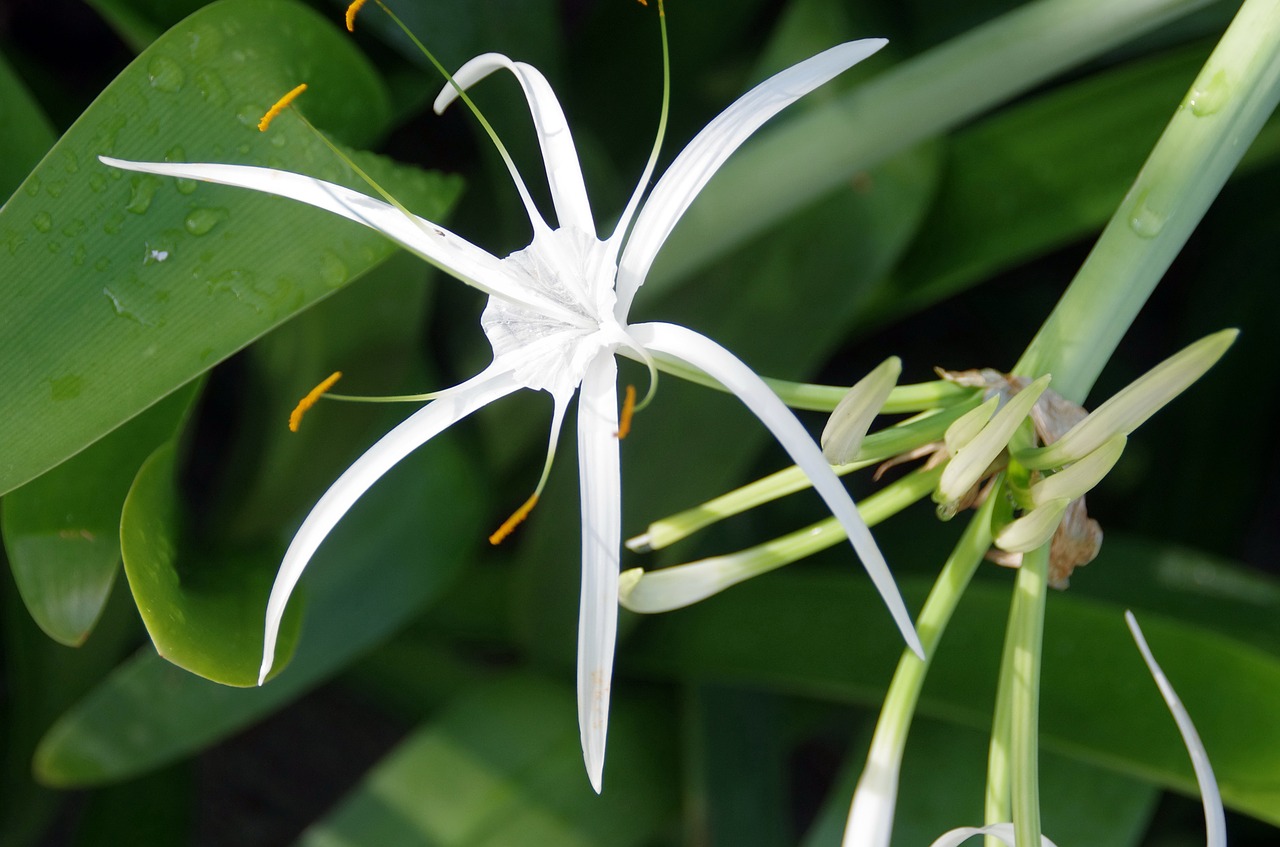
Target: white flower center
(550,352)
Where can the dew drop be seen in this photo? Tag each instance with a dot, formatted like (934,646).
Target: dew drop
(203,43)
(42,221)
(78,255)
(97,182)
(102,264)
(185,186)
(71,160)
(279,139)
(32,187)
(144,188)
(121,308)
(211,87)
(56,187)
(165,74)
(54,247)
(74,228)
(201,221)
(1208,98)
(333,271)
(250,113)
(1145,221)
(176,153)
(113,223)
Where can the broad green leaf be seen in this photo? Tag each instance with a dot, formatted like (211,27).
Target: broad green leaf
(809,155)
(25,132)
(118,288)
(502,767)
(398,549)
(62,530)
(203,607)
(809,634)
(42,679)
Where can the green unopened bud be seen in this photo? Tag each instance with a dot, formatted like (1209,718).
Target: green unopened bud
(1034,529)
(852,417)
(967,427)
(971,461)
(1078,479)
(1130,408)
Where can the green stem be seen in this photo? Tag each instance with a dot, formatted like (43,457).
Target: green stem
(1236,91)
(786,168)
(1022,669)
(870,820)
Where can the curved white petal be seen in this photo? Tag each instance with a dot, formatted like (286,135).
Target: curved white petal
(416,430)
(447,251)
(564,173)
(703,353)
(1002,831)
(698,162)
(1214,818)
(871,812)
(600,482)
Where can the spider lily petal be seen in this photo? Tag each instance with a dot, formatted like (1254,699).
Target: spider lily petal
(1214,817)
(852,416)
(413,432)
(568,192)
(1002,831)
(698,162)
(432,242)
(600,491)
(703,353)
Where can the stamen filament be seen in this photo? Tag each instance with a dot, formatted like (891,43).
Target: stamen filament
(624,221)
(462,95)
(280,105)
(514,521)
(628,411)
(295,417)
(352,11)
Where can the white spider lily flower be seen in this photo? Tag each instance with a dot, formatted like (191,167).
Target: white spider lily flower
(556,317)
(1211,798)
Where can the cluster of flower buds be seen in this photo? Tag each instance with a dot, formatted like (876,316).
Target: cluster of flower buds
(973,428)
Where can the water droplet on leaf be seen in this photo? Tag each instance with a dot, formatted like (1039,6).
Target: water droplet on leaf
(1207,98)
(144,188)
(165,74)
(42,221)
(201,221)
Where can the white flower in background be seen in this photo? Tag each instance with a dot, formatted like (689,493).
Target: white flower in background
(556,317)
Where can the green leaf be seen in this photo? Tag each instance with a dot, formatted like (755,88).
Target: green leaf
(502,766)
(400,546)
(941,787)
(811,635)
(203,608)
(25,132)
(120,288)
(62,530)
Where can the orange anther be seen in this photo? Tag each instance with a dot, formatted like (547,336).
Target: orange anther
(295,417)
(280,106)
(628,410)
(509,525)
(351,14)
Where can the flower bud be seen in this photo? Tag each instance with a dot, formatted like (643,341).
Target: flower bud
(852,416)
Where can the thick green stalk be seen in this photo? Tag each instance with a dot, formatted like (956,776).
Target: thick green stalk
(784,169)
(871,814)
(1236,91)
(1019,691)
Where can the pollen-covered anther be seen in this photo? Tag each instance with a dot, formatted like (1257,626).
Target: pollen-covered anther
(352,11)
(313,396)
(280,105)
(627,413)
(510,524)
